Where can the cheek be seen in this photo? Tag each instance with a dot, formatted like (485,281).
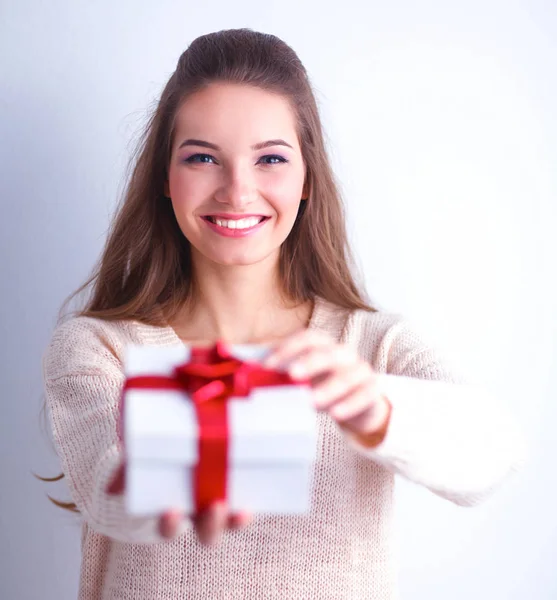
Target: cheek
(186,190)
(284,192)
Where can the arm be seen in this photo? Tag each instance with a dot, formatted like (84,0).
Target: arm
(454,438)
(83,380)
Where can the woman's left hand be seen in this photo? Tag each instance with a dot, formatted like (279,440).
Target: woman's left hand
(344,385)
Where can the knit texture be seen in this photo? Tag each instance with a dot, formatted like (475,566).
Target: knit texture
(342,549)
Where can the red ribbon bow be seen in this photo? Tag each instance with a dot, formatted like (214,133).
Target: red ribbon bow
(210,378)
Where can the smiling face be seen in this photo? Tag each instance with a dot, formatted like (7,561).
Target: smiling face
(236,173)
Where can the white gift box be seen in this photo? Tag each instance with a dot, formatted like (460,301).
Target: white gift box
(271,443)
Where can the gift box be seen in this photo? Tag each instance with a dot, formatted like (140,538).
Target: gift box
(201,425)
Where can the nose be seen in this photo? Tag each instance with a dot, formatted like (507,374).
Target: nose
(238,188)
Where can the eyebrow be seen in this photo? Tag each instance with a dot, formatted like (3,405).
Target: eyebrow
(259,146)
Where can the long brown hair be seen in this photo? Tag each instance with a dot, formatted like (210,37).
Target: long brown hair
(145,272)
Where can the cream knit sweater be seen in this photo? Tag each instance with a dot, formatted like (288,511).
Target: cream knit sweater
(444,434)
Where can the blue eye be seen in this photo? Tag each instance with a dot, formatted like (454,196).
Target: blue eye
(273,159)
(200,158)
(269,159)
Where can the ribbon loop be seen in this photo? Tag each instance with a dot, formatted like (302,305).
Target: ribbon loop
(214,390)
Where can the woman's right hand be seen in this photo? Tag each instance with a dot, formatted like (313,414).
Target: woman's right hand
(208,525)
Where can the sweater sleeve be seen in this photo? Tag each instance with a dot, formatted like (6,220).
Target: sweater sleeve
(453,437)
(83,380)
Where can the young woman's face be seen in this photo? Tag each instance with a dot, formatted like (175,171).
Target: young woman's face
(236,174)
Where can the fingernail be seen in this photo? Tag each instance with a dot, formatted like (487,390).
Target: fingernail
(337,414)
(297,370)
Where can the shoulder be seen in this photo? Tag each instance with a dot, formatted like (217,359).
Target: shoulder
(390,330)
(377,334)
(396,344)
(391,342)
(376,325)
(358,326)
(86,346)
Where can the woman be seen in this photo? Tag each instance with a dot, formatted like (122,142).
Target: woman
(232,228)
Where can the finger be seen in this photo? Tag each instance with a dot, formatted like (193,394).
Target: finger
(357,406)
(239,520)
(206,523)
(210,524)
(323,360)
(340,384)
(370,428)
(295,345)
(169,523)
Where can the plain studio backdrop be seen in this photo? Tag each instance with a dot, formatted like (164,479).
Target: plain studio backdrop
(442,128)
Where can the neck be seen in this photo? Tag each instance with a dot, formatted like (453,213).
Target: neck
(239,305)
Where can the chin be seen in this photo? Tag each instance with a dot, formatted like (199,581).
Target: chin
(237,258)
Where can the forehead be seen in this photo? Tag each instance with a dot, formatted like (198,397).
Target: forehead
(233,113)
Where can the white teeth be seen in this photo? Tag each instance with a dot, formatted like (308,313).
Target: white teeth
(239,223)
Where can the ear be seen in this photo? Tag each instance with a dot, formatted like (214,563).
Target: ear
(305,190)
(166,189)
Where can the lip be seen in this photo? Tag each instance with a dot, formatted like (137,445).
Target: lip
(233,216)
(226,232)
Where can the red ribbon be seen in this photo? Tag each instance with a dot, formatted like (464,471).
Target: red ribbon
(209,378)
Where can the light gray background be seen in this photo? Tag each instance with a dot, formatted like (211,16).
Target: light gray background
(442,128)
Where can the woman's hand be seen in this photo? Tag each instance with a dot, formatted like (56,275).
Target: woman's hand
(344,385)
(208,525)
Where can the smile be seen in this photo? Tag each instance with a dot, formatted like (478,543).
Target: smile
(235,226)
